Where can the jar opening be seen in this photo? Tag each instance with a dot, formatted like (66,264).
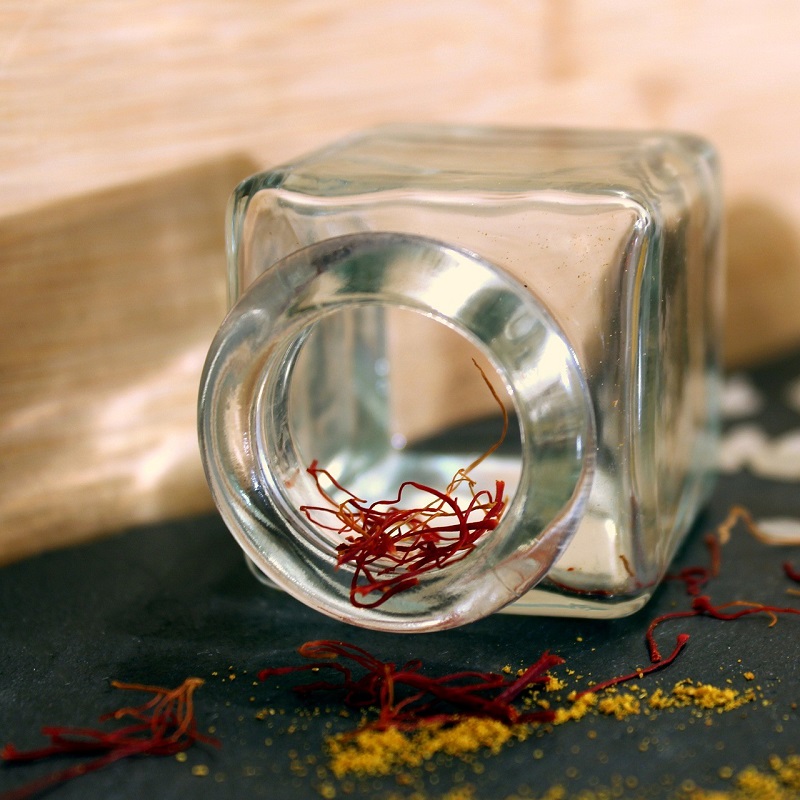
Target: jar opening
(379,395)
(308,370)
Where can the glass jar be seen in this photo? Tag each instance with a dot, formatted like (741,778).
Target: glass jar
(580,270)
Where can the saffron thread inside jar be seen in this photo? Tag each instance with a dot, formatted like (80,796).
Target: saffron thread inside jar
(390,545)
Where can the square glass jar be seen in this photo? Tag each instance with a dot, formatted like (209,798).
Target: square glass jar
(607,246)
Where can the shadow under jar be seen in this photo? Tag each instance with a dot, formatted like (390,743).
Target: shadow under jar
(399,294)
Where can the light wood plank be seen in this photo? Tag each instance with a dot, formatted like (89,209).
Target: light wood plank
(111,287)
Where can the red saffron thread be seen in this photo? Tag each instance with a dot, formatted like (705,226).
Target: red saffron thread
(165,725)
(791,572)
(390,546)
(406,698)
(658,663)
(695,578)
(702,606)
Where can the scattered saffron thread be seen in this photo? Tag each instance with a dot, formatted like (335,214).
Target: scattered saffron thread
(740,514)
(627,566)
(164,725)
(390,546)
(695,578)
(657,664)
(406,698)
(791,572)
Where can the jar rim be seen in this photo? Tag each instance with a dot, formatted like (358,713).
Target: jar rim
(252,464)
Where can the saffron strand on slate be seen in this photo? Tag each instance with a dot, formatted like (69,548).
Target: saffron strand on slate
(696,577)
(791,573)
(164,725)
(406,698)
(658,663)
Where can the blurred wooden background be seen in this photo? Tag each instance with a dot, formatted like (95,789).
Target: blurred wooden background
(124,125)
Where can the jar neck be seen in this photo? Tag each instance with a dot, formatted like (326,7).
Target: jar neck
(300,373)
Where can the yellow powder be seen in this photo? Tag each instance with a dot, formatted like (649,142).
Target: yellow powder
(619,705)
(578,710)
(701,695)
(754,783)
(374,753)
(327,791)
(554,684)
(782,783)
(625,704)
(557,792)
(787,770)
(460,793)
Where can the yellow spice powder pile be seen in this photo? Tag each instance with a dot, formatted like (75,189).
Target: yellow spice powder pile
(701,695)
(685,693)
(372,753)
(781,782)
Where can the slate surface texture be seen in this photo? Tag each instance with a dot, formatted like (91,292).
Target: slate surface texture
(157,605)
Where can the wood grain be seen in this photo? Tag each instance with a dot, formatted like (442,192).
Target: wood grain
(97,97)
(107,306)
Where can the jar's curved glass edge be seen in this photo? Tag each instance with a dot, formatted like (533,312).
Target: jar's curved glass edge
(691,143)
(206,432)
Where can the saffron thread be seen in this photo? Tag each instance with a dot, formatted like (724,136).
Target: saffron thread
(791,573)
(164,725)
(406,698)
(388,545)
(657,664)
(695,578)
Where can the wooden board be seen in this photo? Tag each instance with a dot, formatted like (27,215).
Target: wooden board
(107,307)
(98,96)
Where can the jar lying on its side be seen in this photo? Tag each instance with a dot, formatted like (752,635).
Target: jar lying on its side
(579,271)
